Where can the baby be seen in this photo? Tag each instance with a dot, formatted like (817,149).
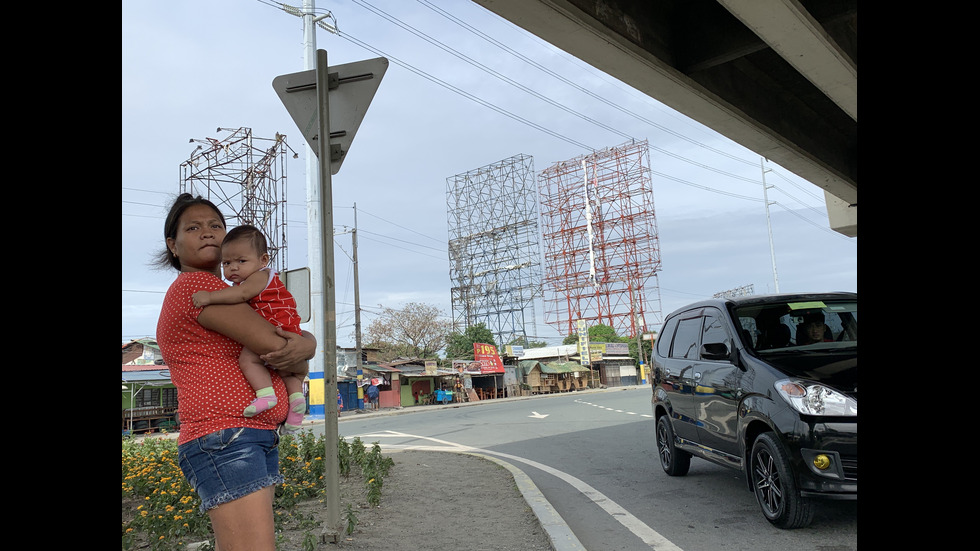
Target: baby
(244,260)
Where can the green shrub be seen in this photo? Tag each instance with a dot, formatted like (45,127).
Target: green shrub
(160,511)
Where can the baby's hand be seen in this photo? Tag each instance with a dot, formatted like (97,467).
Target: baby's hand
(201,299)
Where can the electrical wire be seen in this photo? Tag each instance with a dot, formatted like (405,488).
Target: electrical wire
(427,38)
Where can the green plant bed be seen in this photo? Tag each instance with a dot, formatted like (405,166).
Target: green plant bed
(160,511)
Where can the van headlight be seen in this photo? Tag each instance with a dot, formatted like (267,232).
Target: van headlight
(811,398)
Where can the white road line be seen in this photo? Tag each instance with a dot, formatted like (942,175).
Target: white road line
(649,536)
(647,415)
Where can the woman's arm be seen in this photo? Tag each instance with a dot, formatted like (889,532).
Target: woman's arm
(242,324)
(280,349)
(295,356)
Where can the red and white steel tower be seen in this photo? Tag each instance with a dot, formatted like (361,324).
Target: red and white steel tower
(599,230)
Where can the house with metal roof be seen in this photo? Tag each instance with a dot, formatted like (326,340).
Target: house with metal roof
(611,362)
(149,398)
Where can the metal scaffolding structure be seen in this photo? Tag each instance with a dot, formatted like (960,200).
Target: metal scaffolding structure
(602,250)
(742,291)
(494,255)
(245,177)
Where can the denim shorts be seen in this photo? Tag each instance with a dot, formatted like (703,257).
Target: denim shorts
(231,463)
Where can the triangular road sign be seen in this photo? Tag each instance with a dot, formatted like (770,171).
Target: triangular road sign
(352,87)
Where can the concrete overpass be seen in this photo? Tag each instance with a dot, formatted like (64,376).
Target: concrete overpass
(776,76)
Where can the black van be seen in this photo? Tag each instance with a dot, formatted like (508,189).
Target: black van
(767,385)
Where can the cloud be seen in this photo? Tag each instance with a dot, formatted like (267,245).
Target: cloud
(190,67)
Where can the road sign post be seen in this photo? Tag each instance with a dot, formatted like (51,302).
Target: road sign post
(328,105)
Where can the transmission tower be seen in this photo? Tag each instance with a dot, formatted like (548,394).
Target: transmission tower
(600,239)
(245,177)
(494,255)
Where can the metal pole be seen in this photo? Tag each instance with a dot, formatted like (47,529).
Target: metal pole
(331,527)
(765,199)
(313,222)
(357,317)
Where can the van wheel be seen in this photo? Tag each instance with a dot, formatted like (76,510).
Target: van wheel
(775,485)
(675,462)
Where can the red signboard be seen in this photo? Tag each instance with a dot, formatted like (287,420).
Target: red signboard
(487,355)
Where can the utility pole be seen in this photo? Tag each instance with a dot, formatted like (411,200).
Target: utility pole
(357,312)
(319,217)
(318,318)
(313,245)
(306,95)
(639,346)
(315,242)
(765,199)
(357,317)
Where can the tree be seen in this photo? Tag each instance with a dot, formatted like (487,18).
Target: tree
(597,333)
(415,331)
(605,333)
(460,345)
(523,341)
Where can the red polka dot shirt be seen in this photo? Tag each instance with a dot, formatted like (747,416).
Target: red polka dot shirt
(212,393)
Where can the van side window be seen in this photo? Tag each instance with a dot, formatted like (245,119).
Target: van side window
(686,340)
(714,329)
(666,337)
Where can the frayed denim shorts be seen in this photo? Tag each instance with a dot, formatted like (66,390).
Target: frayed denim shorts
(231,463)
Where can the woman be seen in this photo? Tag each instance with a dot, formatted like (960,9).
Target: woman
(231,461)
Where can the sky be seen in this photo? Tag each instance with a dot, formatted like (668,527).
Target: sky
(464,89)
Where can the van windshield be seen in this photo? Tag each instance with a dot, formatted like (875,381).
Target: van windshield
(811,325)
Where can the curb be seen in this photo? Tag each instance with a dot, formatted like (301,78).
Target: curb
(561,536)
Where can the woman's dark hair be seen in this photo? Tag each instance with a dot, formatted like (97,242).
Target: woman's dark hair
(249,233)
(181,203)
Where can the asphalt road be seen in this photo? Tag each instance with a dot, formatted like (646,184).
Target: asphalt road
(592,455)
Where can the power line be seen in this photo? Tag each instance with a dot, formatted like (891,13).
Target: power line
(490,71)
(427,38)
(575,85)
(465,94)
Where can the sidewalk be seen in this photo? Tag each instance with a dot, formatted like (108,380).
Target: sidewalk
(559,533)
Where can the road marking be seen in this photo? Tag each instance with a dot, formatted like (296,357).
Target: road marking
(649,536)
(647,415)
(537,415)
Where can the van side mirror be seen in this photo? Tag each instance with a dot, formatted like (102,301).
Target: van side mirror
(715,351)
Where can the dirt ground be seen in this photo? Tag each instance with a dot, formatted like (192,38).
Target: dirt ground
(436,501)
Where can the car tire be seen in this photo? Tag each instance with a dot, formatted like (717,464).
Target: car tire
(775,485)
(675,462)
